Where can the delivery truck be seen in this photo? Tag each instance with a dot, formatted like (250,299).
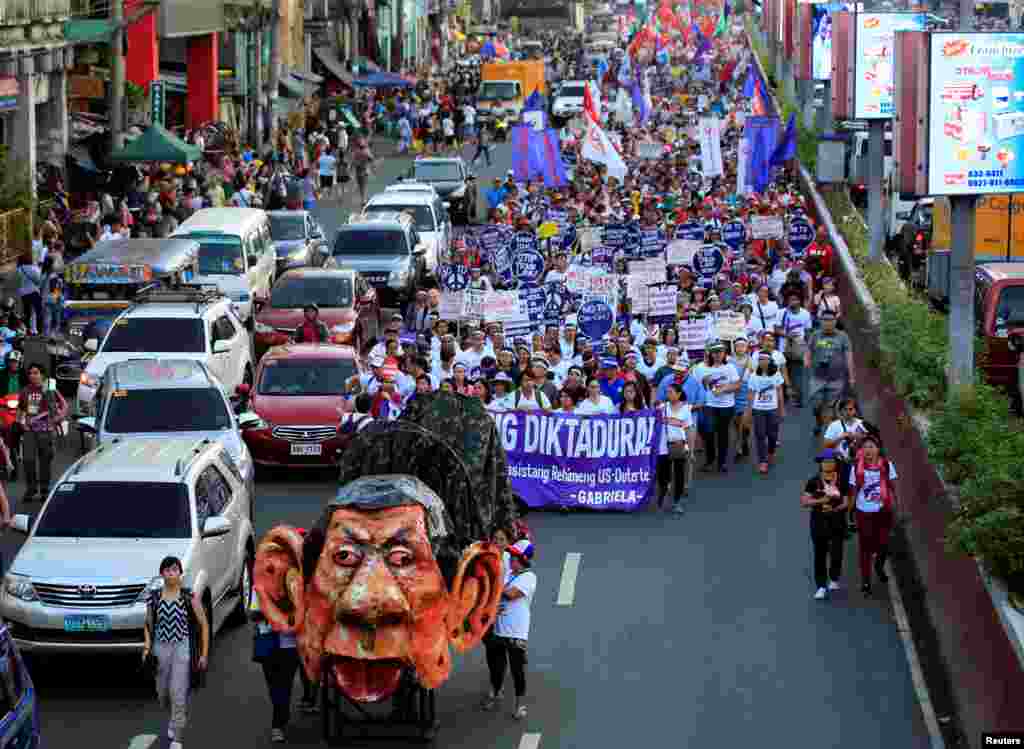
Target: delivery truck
(505,86)
(998,238)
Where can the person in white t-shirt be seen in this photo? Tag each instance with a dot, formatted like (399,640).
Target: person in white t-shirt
(794,324)
(512,628)
(596,402)
(765,312)
(766,407)
(530,397)
(873,478)
(328,168)
(677,438)
(722,381)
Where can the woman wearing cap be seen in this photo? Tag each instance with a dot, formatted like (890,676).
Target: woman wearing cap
(501,399)
(876,504)
(827,496)
(677,445)
(766,408)
(512,628)
(722,381)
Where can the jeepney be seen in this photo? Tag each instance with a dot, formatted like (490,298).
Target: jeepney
(103,282)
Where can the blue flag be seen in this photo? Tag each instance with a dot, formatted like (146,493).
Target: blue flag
(760,133)
(750,83)
(639,106)
(554,169)
(534,102)
(521,152)
(786,148)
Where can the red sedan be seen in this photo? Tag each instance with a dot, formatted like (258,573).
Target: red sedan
(297,393)
(348,307)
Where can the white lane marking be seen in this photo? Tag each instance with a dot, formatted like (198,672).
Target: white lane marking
(916,674)
(143,741)
(567,588)
(529,741)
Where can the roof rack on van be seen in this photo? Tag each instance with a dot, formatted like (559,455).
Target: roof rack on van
(182,294)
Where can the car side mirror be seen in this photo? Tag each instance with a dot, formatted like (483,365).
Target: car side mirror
(92,345)
(21,523)
(253,260)
(86,424)
(249,420)
(221,347)
(216,526)
(903,216)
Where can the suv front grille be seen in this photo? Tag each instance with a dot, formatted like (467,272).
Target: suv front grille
(305,434)
(87,596)
(377,279)
(114,636)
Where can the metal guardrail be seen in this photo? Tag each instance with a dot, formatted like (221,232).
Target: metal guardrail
(12,225)
(16,12)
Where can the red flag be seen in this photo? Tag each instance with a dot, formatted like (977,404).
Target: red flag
(588,104)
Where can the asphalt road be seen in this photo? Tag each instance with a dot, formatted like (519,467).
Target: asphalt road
(696,631)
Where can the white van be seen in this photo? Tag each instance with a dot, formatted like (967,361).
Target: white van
(235,253)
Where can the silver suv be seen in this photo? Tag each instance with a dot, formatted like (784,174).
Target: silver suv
(166,398)
(80,581)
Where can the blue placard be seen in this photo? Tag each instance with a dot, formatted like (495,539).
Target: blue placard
(734,234)
(568,237)
(613,236)
(555,297)
(595,319)
(634,240)
(528,266)
(801,235)
(708,261)
(653,242)
(453,277)
(690,230)
(534,298)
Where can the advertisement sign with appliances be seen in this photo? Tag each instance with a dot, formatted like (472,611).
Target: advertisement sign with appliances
(976,114)
(874,85)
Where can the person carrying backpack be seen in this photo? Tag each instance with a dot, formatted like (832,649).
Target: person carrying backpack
(876,506)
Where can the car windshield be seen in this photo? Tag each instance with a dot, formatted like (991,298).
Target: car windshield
(170,410)
(421,214)
(105,509)
(571,92)
(1011,307)
(328,291)
(370,242)
(151,335)
(287,228)
(220,255)
(305,376)
(494,90)
(437,171)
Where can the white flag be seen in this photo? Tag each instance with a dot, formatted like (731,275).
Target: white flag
(597,147)
(742,155)
(710,146)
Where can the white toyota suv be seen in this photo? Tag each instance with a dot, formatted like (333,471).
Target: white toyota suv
(189,323)
(430,214)
(80,581)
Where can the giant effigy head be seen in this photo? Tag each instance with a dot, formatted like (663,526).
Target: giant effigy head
(380,585)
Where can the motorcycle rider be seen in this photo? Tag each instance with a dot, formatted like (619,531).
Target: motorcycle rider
(312,329)
(12,382)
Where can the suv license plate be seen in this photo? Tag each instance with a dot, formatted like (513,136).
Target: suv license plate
(307,449)
(87,623)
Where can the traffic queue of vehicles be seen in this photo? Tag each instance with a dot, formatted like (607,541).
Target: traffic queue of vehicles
(188,382)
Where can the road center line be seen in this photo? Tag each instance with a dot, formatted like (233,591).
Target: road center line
(529,741)
(567,588)
(143,741)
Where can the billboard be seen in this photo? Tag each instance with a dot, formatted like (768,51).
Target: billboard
(821,34)
(874,84)
(976,114)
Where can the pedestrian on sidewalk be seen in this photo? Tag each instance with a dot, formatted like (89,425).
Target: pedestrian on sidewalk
(177,636)
(512,628)
(328,168)
(53,305)
(362,160)
(30,284)
(827,496)
(278,656)
(482,147)
(877,504)
(41,410)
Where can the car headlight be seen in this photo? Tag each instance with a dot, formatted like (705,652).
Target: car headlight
(263,328)
(88,380)
(20,587)
(12,402)
(399,276)
(155,584)
(458,193)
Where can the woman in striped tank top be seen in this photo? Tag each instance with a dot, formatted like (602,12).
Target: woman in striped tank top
(178,634)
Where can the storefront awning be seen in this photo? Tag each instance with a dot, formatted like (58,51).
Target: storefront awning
(333,64)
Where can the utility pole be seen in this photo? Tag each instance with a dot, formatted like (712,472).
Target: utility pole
(117,75)
(875,176)
(962,268)
(274,78)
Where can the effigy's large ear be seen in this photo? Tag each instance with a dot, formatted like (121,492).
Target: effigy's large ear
(475,595)
(277,578)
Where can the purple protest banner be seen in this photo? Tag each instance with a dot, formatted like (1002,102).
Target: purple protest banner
(600,462)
